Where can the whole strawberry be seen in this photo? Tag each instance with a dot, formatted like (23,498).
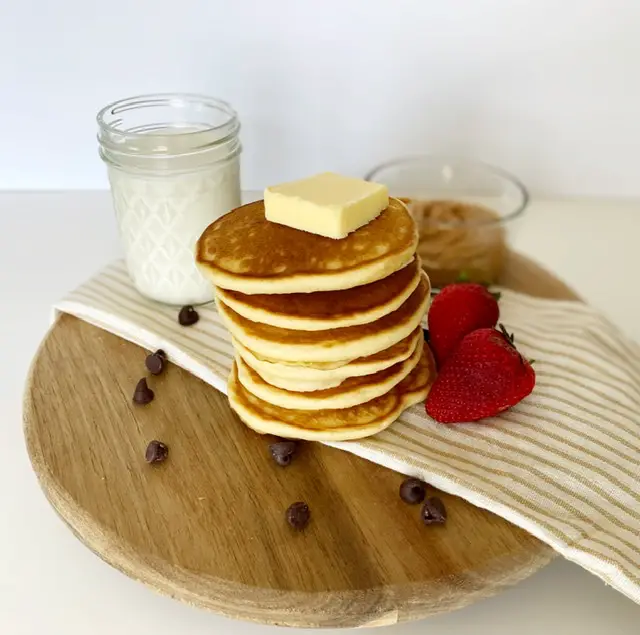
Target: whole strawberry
(456,311)
(483,377)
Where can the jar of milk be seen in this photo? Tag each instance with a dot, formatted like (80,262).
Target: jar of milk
(173,164)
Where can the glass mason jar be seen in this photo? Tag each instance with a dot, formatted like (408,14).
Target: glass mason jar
(174,167)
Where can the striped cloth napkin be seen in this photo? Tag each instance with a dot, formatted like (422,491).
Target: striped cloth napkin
(564,464)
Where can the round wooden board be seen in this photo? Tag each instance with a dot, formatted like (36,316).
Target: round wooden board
(207,527)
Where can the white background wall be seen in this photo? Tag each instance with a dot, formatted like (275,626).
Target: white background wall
(549,89)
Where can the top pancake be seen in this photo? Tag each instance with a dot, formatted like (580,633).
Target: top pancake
(243,251)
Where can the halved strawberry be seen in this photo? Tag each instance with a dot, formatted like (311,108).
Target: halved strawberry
(483,377)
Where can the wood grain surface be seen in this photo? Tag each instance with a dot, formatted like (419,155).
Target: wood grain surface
(207,526)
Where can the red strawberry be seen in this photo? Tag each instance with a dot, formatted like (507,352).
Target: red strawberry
(456,311)
(484,376)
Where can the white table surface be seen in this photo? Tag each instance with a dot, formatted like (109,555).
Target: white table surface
(51,584)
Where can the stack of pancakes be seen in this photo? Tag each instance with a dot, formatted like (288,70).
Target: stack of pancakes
(326,332)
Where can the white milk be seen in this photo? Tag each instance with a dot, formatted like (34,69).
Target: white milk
(168,184)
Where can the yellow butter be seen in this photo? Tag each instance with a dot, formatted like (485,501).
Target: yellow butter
(326,204)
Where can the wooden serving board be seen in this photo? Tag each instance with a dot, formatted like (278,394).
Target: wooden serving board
(207,526)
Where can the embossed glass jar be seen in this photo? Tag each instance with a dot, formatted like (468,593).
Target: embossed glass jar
(174,167)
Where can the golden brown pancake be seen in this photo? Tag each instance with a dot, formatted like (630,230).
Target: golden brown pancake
(333,425)
(334,345)
(351,392)
(242,251)
(324,310)
(332,373)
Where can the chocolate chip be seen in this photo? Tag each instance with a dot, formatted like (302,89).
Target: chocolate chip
(188,316)
(143,394)
(412,491)
(427,337)
(298,515)
(282,452)
(155,362)
(156,452)
(434,512)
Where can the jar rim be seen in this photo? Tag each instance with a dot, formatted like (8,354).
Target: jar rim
(166,99)
(162,131)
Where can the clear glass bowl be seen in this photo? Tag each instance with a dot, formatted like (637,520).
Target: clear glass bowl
(462,208)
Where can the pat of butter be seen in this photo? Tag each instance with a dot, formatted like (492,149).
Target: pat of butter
(326,204)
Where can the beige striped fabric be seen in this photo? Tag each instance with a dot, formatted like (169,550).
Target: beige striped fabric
(564,464)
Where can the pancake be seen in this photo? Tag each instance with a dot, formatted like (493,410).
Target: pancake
(325,310)
(311,378)
(318,371)
(349,342)
(350,392)
(301,385)
(333,425)
(242,251)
